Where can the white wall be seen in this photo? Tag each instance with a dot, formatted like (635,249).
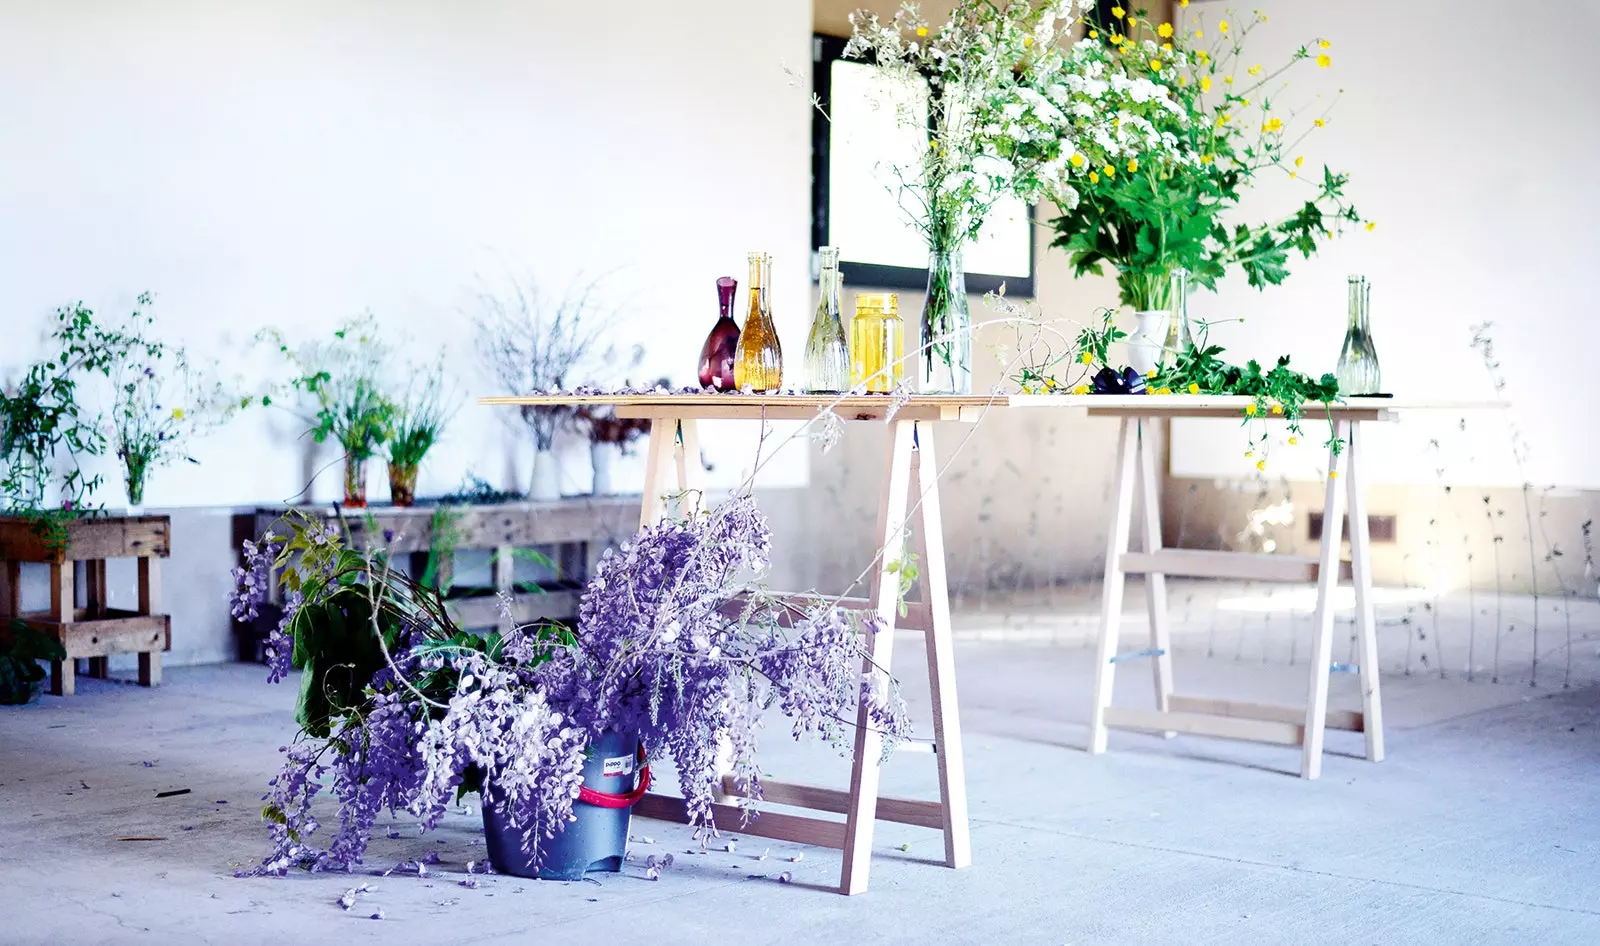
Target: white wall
(290,163)
(293,162)
(1469,140)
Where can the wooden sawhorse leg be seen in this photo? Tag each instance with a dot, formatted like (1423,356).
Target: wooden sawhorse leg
(63,605)
(675,446)
(1136,457)
(1283,725)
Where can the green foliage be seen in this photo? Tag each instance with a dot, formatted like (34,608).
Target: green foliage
(1158,212)
(345,379)
(418,418)
(41,418)
(21,649)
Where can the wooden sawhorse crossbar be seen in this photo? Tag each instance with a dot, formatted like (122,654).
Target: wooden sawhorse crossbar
(674,447)
(1230,719)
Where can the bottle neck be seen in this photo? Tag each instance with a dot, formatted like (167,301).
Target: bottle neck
(1360,292)
(828,285)
(757,288)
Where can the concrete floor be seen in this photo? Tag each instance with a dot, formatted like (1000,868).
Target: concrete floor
(1481,827)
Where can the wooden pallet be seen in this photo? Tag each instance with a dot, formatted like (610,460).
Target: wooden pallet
(95,631)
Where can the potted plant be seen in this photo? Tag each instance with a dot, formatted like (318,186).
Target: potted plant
(344,377)
(677,649)
(1155,212)
(21,648)
(1008,110)
(534,344)
(159,400)
(42,421)
(419,419)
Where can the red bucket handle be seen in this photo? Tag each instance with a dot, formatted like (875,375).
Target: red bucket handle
(620,800)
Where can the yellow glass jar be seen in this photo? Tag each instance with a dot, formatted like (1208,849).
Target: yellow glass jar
(877,342)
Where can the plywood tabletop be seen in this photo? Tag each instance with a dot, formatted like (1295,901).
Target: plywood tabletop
(969,407)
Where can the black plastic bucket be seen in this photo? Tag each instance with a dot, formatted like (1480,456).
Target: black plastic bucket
(614,778)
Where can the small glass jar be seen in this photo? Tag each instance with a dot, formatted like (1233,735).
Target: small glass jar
(877,343)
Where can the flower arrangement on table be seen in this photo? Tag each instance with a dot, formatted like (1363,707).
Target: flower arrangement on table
(345,377)
(535,344)
(41,417)
(1157,212)
(417,422)
(1009,111)
(160,400)
(1278,392)
(676,643)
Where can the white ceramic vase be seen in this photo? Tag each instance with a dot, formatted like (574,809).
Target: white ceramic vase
(546,477)
(604,457)
(1147,338)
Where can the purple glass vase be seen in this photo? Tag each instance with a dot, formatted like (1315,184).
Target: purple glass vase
(716,357)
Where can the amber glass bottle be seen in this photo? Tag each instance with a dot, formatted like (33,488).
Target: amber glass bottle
(759,365)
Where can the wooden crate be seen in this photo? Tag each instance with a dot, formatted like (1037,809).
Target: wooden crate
(95,631)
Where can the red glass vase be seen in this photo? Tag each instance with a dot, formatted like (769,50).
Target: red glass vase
(717,355)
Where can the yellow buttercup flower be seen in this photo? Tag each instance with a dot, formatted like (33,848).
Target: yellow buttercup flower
(1244,101)
(1116,39)
(1200,54)
(1194,388)
(1166,47)
(1163,390)
(1081,389)
(1094,34)
(1333,474)
(1183,3)
(1131,23)
(1324,60)
(1151,373)
(1250,409)
(1117,12)
(1133,165)
(1249,453)
(1228,80)
(1300,160)
(1076,160)
(1371,225)
(1261,465)
(1323,44)
(1183,80)
(1109,171)
(1164,30)
(1087,357)
(1255,70)
(1207,158)
(1094,177)
(1277,408)
(1293,441)
(922,31)
(1272,125)
(1027,41)
(1155,65)
(1223,27)
(177,413)
(1293,175)
(1205,83)
(1320,123)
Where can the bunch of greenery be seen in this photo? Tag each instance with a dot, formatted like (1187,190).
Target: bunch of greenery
(41,418)
(344,376)
(419,417)
(161,399)
(1153,213)
(21,648)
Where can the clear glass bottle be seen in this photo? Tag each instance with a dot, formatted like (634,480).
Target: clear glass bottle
(877,343)
(1181,338)
(759,365)
(946,325)
(722,345)
(1358,361)
(827,354)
